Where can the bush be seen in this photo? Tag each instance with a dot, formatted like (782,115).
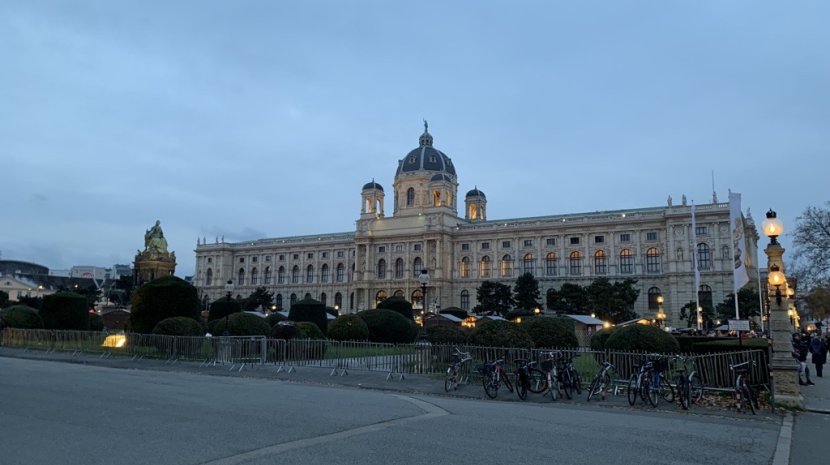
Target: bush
(308,330)
(454,311)
(642,338)
(499,333)
(441,334)
(600,338)
(162,298)
(65,310)
(221,307)
(21,316)
(398,304)
(389,326)
(729,345)
(348,328)
(244,324)
(309,310)
(284,330)
(274,318)
(179,326)
(549,332)
(96,323)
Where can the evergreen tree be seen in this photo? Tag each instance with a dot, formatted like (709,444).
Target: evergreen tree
(526,292)
(494,297)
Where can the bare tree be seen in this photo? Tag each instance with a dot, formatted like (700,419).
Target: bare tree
(811,239)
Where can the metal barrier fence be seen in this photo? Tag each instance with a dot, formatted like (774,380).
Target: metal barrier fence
(394,359)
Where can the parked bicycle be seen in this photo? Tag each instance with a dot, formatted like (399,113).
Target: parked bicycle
(689,385)
(601,382)
(548,383)
(455,370)
(647,382)
(744,395)
(493,376)
(569,376)
(523,377)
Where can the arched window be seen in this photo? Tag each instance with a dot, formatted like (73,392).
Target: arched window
(209,277)
(705,296)
(410,197)
(341,270)
(293,300)
(240,280)
(323,298)
(295,274)
(307,296)
(575,263)
(652,260)
(653,293)
(417,267)
(380,297)
(254,276)
(381,269)
(278,301)
(324,273)
(529,264)
(600,262)
(417,299)
(398,293)
(267,275)
(338,301)
(465,300)
(309,274)
(507,265)
(626,261)
(484,267)
(399,268)
(281,275)
(704,260)
(464,270)
(551,264)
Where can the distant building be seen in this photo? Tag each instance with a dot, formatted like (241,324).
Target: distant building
(121,270)
(20,267)
(91,272)
(17,286)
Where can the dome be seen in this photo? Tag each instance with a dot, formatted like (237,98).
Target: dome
(441,177)
(372,185)
(475,193)
(426,158)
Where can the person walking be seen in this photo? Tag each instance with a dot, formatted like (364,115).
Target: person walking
(819,350)
(801,347)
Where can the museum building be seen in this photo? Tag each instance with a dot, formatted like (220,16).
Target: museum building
(385,255)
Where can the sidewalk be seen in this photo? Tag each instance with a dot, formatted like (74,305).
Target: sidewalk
(817,398)
(809,430)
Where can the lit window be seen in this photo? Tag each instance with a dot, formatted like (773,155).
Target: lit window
(626,261)
(653,260)
(600,262)
(484,267)
(551,264)
(464,271)
(575,263)
(507,265)
(528,263)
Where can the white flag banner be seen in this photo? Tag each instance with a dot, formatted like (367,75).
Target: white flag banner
(694,251)
(736,227)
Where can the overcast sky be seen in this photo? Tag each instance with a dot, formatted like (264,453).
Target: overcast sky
(265,118)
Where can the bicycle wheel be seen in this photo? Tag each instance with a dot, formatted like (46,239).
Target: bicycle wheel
(554,387)
(450,380)
(538,381)
(748,396)
(506,381)
(577,382)
(683,392)
(491,384)
(695,388)
(633,391)
(521,387)
(651,391)
(666,390)
(594,388)
(567,384)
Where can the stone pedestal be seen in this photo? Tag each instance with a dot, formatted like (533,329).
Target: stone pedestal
(784,367)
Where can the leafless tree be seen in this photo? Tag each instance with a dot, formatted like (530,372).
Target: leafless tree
(811,239)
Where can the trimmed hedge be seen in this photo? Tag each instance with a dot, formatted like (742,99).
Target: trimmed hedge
(162,298)
(309,310)
(348,328)
(179,326)
(274,319)
(308,330)
(498,333)
(600,338)
(65,310)
(96,322)
(389,326)
(441,334)
(398,304)
(21,316)
(241,324)
(642,338)
(221,307)
(284,330)
(549,332)
(729,345)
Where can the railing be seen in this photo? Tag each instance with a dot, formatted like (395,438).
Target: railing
(418,358)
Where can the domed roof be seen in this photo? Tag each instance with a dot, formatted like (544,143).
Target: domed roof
(475,193)
(441,177)
(372,185)
(426,158)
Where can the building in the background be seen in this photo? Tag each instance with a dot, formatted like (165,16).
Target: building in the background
(97,273)
(121,270)
(154,261)
(8,267)
(19,286)
(385,255)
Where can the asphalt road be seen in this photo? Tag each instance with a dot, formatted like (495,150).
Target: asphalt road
(55,413)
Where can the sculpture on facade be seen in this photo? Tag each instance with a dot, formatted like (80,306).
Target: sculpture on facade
(154,240)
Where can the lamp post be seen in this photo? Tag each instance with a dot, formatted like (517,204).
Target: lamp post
(783,370)
(661,316)
(229,291)
(423,278)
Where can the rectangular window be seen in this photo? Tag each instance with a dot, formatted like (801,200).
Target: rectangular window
(528,243)
(625,237)
(505,244)
(381,249)
(210,260)
(310,256)
(253,259)
(651,236)
(241,259)
(282,257)
(700,230)
(551,241)
(339,254)
(398,248)
(325,255)
(417,247)
(267,258)
(485,245)
(465,247)
(599,239)
(574,241)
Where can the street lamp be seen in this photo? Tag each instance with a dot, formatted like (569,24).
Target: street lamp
(423,278)
(776,278)
(229,291)
(661,316)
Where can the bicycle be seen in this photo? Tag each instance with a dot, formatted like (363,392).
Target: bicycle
(523,377)
(662,386)
(689,387)
(454,376)
(601,381)
(569,376)
(743,390)
(549,383)
(494,375)
(638,384)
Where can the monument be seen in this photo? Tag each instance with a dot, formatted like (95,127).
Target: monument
(154,261)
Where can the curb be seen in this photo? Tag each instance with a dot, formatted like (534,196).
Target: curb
(785,437)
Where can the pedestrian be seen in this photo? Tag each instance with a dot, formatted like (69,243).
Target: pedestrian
(800,349)
(819,350)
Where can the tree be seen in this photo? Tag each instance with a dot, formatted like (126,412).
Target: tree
(494,297)
(811,240)
(259,298)
(613,301)
(162,298)
(688,313)
(90,293)
(398,304)
(526,292)
(4,298)
(818,301)
(34,302)
(748,305)
(65,310)
(570,298)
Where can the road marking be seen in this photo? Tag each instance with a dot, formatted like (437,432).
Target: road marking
(430,411)
(785,438)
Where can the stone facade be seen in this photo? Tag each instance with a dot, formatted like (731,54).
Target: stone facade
(385,255)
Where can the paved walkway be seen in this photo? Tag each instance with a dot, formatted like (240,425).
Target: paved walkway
(817,397)
(811,428)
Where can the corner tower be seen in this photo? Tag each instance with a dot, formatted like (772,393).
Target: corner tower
(476,206)
(425,180)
